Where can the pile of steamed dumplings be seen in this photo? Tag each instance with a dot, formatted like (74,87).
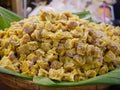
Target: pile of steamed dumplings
(60,46)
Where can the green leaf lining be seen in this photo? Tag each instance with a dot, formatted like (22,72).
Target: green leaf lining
(111,78)
(6,71)
(6,17)
(84,15)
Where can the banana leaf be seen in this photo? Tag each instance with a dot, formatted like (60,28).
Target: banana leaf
(6,71)
(84,15)
(6,17)
(111,78)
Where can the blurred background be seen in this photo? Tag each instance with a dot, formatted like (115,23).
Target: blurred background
(101,10)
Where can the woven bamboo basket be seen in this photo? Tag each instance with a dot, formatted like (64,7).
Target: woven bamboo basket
(20,84)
